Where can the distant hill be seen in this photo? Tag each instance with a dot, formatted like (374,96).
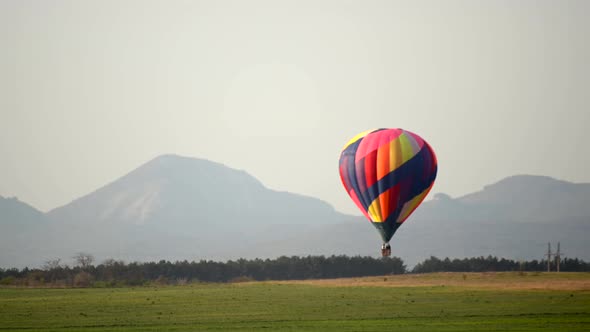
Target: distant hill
(180,208)
(175,207)
(513,218)
(18,215)
(193,193)
(527,198)
(18,222)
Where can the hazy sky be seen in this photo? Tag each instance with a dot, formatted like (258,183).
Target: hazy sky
(89,90)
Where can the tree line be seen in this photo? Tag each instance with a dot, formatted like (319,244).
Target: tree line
(491,263)
(112,273)
(118,273)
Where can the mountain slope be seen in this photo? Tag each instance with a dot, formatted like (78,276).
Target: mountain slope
(514,217)
(19,225)
(183,208)
(176,207)
(528,198)
(194,193)
(17,214)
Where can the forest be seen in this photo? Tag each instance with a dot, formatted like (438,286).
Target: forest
(114,273)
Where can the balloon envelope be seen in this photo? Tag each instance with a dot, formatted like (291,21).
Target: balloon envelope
(387,173)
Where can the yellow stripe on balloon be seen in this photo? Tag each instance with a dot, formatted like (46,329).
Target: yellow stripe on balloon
(410,205)
(374,211)
(357,137)
(395,154)
(406,147)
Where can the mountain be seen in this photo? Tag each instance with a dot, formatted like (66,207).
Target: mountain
(527,198)
(176,207)
(192,193)
(180,208)
(18,215)
(513,218)
(18,222)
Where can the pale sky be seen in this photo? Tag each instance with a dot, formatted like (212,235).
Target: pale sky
(90,90)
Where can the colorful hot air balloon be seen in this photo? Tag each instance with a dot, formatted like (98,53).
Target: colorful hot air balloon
(387,173)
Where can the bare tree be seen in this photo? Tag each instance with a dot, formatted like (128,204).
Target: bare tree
(108,269)
(51,264)
(109,262)
(83,260)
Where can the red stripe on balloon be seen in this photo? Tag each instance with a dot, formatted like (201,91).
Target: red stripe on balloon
(371,142)
(371,168)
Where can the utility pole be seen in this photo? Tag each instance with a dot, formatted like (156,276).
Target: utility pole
(549,254)
(558,257)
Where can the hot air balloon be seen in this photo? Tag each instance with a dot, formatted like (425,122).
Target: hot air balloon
(387,173)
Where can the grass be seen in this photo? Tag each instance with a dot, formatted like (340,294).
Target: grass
(434,302)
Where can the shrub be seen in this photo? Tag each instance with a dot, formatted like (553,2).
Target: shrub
(7,281)
(182,281)
(83,279)
(162,280)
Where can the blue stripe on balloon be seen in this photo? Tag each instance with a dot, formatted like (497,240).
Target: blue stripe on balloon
(411,168)
(388,228)
(348,156)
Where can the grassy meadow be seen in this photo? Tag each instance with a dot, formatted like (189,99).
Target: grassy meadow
(428,302)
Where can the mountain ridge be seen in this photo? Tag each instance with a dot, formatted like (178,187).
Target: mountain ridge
(168,184)
(175,207)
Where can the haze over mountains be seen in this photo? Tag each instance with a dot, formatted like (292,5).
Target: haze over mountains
(180,208)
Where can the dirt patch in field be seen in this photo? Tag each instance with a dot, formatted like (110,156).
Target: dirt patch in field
(490,280)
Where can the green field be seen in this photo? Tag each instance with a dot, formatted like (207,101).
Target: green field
(436,302)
